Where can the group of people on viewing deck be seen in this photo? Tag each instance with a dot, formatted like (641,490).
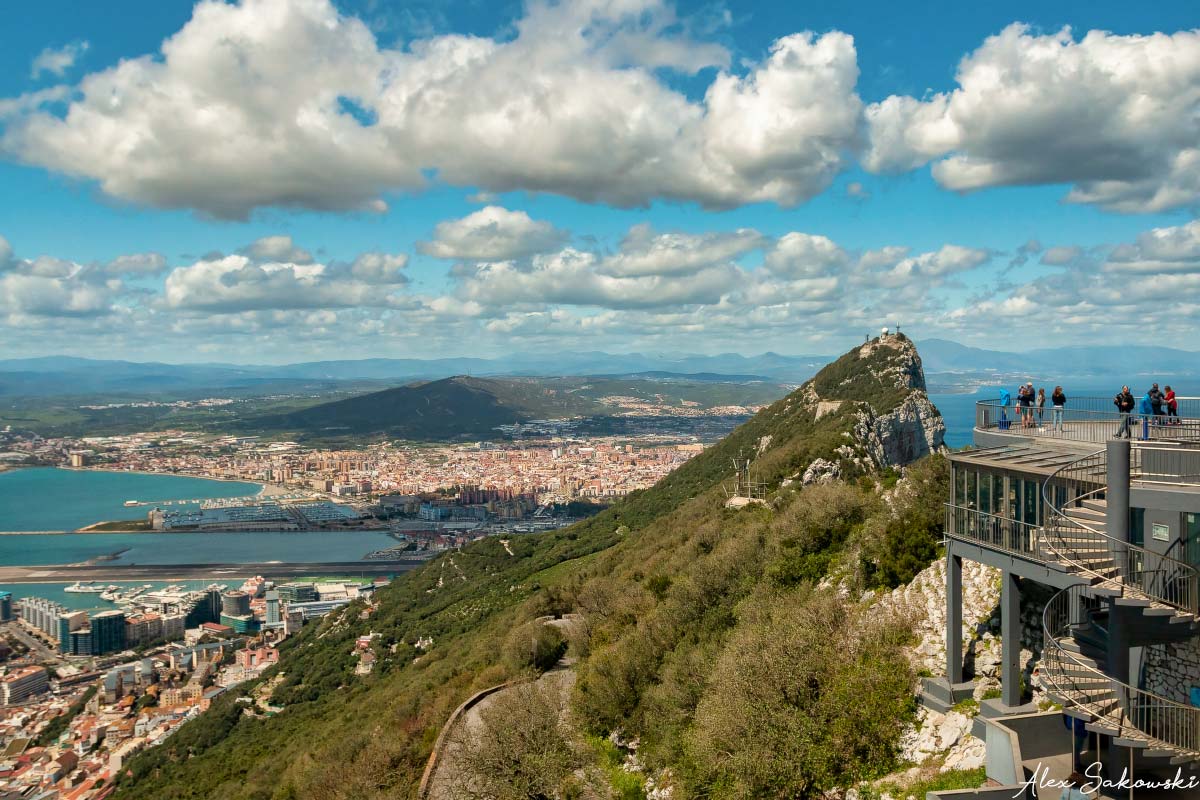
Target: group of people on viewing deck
(1151,407)
(1028,400)
(1157,406)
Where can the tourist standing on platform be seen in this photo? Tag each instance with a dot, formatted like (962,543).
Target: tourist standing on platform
(1041,404)
(1025,399)
(1172,406)
(1059,401)
(1005,402)
(1156,403)
(1124,402)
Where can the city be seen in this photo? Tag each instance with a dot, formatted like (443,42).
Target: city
(81,693)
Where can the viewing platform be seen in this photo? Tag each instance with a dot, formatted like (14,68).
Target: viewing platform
(1087,423)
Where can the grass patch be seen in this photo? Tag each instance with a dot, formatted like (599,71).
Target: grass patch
(625,785)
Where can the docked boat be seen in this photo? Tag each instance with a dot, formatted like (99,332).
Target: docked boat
(84,588)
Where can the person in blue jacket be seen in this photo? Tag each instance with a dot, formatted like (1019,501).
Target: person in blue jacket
(1005,402)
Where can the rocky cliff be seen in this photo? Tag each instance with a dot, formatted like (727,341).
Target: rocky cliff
(894,421)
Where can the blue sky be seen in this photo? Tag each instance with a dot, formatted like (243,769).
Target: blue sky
(590,166)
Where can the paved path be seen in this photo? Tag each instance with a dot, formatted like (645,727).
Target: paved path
(447,768)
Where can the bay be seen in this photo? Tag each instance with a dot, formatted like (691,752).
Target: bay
(51,499)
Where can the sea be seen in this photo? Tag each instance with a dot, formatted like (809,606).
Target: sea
(49,499)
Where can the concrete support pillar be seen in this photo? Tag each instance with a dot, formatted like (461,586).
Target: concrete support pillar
(1010,639)
(954,638)
(1118,489)
(1119,622)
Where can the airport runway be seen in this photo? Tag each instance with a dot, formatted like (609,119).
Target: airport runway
(61,573)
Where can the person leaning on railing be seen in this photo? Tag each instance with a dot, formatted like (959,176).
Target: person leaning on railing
(1058,401)
(1124,402)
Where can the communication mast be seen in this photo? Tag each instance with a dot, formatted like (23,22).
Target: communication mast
(746,483)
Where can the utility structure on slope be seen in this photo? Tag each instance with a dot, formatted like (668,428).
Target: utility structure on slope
(1112,526)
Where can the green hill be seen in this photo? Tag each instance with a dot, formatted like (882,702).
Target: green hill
(471,408)
(704,633)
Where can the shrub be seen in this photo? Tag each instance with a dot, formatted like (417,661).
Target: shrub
(535,646)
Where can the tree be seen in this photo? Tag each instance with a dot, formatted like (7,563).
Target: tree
(518,751)
(535,646)
(807,694)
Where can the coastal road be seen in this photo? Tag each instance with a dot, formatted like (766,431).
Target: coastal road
(66,573)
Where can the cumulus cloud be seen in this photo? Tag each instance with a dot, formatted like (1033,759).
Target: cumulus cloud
(52,287)
(1114,116)
(644,252)
(137,264)
(289,103)
(1144,288)
(277,248)
(572,277)
(492,234)
(380,268)
(57,61)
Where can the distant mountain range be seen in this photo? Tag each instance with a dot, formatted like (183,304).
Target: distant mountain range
(1117,362)
(58,375)
(61,375)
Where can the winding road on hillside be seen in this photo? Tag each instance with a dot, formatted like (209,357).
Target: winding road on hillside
(444,773)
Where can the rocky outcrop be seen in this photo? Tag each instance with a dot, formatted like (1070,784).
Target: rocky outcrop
(911,431)
(894,423)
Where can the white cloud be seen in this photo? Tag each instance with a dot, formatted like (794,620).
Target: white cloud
(237,283)
(572,277)
(644,252)
(137,264)
(277,248)
(802,255)
(492,234)
(52,287)
(57,61)
(1117,117)
(289,103)
(380,268)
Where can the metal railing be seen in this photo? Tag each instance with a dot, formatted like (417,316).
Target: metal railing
(1078,683)
(1154,464)
(1089,550)
(1087,419)
(991,530)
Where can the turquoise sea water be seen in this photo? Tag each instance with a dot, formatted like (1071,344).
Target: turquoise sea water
(54,499)
(191,548)
(48,499)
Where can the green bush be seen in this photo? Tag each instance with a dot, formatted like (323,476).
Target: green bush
(535,646)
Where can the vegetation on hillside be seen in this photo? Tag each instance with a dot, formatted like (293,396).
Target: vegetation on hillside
(715,637)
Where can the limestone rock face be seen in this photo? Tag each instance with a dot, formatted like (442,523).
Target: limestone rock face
(894,423)
(910,432)
(821,471)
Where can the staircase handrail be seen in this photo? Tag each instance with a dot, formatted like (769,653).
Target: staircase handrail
(1158,720)
(1176,582)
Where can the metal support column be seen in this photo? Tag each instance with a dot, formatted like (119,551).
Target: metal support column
(1010,639)
(954,637)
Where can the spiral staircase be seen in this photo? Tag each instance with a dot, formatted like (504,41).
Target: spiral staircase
(1155,592)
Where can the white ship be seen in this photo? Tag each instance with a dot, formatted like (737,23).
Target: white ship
(131,503)
(84,588)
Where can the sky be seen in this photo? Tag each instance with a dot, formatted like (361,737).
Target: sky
(289,180)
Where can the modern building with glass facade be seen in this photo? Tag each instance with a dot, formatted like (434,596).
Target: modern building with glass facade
(1108,529)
